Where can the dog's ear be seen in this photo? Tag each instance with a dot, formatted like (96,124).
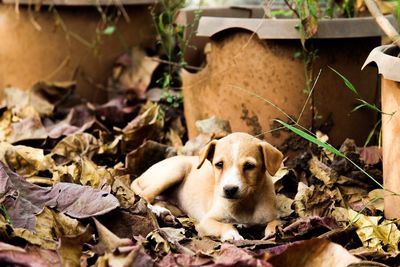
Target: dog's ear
(272,158)
(207,152)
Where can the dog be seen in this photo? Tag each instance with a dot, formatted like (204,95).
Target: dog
(228,183)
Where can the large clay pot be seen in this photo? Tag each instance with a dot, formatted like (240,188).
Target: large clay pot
(42,45)
(251,63)
(388,62)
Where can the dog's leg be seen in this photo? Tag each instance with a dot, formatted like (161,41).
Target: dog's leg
(160,177)
(212,227)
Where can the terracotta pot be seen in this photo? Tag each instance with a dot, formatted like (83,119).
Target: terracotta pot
(35,47)
(252,60)
(388,62)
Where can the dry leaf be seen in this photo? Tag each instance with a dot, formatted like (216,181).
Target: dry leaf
(123,191)
(375,232)
(314,200)
(32,257)
(133,72)
(108,241)
(313,253)
(323,172)
(376,198)
(76,146)
(78,120)
(25,160)
(230,255)
(18,100)
(70,247)
(284,205)
(371,155)
(215,126)
(136,257)
(148,154)
(146,126)
(23,200)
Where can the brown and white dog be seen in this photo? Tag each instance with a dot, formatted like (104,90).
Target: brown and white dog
(228,183)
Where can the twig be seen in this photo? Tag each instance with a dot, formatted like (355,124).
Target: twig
(383,22)
(290,6)
(176,64)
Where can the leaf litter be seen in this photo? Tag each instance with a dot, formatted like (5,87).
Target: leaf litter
(67,164)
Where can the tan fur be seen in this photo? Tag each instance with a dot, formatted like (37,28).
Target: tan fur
(201,185)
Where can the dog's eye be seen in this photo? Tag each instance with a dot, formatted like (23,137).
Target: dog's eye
(248,166)
(219,165)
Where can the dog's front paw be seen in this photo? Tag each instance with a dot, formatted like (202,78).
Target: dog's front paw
(163,213)
(231,235)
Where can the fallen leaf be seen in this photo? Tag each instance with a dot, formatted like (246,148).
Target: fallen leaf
(302,226)
(176,259)
(134,221)
(54,92)
(28,128)
(123,191)
(322,172)
(76,146)
(193,146)
(202,246)
(284,205)
(315,200)
(23,200)
(148,154)
(376,198)
(215,126)
(18,100)
(371,155)
(24,160)
(78,120)
(93,175)
(146,126)
(230,255)
(375,232)
(116,113)
(315,252)
(70,247)
(31,257)
(159,243)
(108,241)
(52,225)
(133,72)
(136,257)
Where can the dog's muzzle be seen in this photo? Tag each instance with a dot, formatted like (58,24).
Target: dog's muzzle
(230,191)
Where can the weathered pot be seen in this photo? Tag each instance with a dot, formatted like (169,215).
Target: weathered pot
(38,45)
(252,60)
(388,62)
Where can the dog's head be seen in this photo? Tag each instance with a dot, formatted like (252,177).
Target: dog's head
(240,163)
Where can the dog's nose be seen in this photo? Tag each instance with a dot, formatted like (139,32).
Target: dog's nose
(230,191)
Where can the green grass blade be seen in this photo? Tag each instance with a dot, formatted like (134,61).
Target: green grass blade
(312,139)
(346,81)
(358,107)
(370,106)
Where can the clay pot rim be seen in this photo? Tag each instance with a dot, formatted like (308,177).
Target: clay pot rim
(79,2)
(336,28)
(388,65)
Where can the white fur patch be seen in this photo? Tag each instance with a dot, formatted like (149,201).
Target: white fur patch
(232,175)
(157,210)
(231,235)
(235,152)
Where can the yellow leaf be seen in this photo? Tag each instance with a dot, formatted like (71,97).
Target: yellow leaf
(375,234)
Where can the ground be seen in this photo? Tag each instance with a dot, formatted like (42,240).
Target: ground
(66,166)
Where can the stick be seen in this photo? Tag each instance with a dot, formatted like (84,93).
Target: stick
(383,22)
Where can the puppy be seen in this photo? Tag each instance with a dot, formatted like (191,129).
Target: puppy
(228,183)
